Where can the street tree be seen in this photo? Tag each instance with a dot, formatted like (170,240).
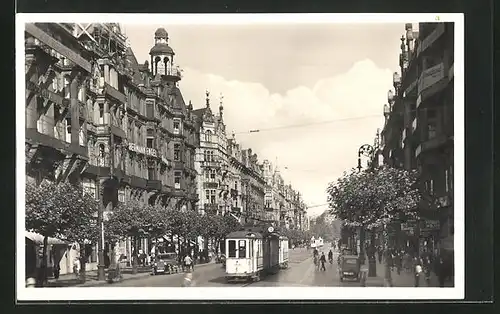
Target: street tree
(64,211)
(374,198)
(128,219)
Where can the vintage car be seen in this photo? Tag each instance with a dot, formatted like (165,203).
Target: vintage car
(164,263)
(350,268)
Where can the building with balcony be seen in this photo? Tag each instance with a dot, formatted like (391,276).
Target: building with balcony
(418,131)
(212,161)
(96,117)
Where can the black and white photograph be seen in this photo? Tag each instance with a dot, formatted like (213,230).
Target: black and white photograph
(298,156)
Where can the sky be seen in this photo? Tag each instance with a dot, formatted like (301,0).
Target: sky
(324,84)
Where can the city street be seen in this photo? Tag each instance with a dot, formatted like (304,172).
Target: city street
(301,273)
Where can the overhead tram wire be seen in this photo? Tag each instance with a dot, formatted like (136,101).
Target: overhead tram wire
(327,122)
(305,124)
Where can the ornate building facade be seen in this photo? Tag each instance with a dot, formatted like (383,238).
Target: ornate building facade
(212,160)
(418,131)
(96,117)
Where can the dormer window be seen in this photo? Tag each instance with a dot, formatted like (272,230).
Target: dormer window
(177,126)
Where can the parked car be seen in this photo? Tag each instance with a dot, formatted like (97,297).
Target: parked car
(164,262)
(350,268)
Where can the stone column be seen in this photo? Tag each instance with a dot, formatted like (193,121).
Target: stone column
(31,106)
(106,112)
(106,73)
(74,111)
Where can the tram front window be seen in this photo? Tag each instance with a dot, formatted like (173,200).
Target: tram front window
(231,248)
(242,249)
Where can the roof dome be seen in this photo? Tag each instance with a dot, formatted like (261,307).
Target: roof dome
(161,33)
(161,48)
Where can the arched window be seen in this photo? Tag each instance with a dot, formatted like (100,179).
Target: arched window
(208,136)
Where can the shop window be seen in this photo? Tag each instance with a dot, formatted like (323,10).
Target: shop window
(242,249)
(231,249)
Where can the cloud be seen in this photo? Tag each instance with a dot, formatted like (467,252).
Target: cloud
(313,154)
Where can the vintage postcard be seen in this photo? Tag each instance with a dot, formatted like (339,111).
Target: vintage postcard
(310,156)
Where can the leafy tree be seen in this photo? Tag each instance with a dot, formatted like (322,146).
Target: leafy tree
(61,210)
(371,199)
(374,198)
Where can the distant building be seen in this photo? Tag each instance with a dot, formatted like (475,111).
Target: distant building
(283,204)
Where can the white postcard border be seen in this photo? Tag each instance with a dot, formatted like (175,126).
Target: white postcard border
(250,293)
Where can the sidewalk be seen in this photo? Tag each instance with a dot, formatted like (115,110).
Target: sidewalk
(404,279)
(69,280)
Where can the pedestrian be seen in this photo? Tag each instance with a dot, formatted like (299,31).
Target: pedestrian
(76,266)
(188,262)
(57,270)
(418,271)
(379,252)
(322,259)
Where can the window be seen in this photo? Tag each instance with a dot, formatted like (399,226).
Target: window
(431,130)
(212,196)
(89,187)
(68,130)
(430,187)
(101,157)
(149,142)
(208,136)
(101,113)
(205,155)
(177,152)
(207,195)
(212,174)
(121,195)
(82,140)
(150,110)
(177,179)
(231,248)
(207,174)
(242,249)
(177,126)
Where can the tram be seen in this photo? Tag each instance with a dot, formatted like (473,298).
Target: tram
(254,252)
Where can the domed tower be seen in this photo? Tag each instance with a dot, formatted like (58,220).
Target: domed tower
(162,57)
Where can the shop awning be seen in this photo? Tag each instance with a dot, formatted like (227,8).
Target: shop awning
(38,238)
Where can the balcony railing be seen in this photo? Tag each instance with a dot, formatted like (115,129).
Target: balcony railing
(116,94)
(430,144)
(429,40)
